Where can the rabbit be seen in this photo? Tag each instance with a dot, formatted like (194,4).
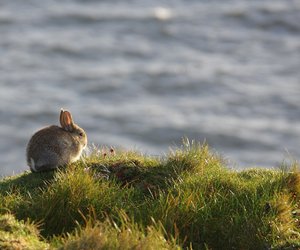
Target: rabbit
(55,146)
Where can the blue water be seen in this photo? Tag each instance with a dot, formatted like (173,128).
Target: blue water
(143,74)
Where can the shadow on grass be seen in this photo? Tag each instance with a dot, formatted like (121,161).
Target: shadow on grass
(133,173)
(25,182)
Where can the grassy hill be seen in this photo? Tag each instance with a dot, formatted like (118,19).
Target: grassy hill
(125,200)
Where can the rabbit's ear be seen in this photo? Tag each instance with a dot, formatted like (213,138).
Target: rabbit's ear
(61,121)
(66,121)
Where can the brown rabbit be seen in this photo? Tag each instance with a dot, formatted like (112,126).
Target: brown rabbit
(55,146)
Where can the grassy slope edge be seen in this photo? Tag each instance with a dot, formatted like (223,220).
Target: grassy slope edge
(124,200)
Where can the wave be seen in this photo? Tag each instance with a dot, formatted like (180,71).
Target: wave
(95,15)
(267,17)
(6,19)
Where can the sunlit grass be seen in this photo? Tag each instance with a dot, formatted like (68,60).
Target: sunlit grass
(114,199)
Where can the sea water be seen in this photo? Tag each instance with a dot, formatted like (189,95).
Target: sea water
(142,74)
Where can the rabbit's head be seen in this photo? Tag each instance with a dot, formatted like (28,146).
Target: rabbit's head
(75,131)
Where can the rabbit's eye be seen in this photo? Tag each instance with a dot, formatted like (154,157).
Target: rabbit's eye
(80,134)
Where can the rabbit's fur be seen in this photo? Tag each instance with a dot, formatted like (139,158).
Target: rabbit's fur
(55,146)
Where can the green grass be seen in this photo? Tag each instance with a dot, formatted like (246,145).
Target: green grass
(19,234)
(125,200)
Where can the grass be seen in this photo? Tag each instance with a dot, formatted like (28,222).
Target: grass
(125,200)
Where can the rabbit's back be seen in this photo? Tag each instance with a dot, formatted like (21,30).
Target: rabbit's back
(50,147)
